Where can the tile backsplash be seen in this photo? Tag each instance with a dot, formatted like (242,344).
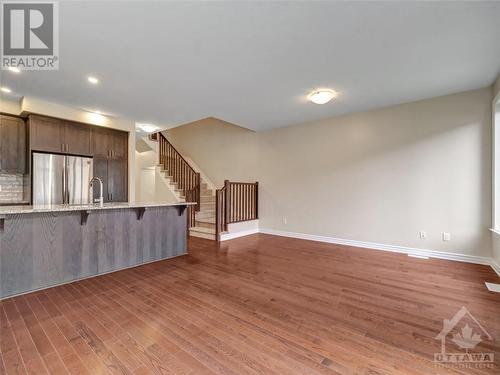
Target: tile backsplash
(11,187)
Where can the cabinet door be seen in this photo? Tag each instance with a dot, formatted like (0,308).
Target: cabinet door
(12,144)
(120,144)
(102,141)
(77,138)
(118,177)
(101,170)
(46,134)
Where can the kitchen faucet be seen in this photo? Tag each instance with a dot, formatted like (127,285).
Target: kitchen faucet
(91,185)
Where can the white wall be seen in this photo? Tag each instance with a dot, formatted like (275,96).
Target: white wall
(381,176)
(496,87)
(162,192)
(12,106)
(496,235)
(220,149)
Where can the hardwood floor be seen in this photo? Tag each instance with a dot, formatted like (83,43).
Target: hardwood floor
(255,305)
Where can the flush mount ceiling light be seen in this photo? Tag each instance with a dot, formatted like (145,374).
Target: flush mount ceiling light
(6,90)
(148,128)
(14,69)
(321,96)
(93,80)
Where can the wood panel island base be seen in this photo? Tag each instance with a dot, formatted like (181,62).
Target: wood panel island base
(46,246)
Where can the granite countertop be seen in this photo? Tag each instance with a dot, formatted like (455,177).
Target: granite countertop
(12,210)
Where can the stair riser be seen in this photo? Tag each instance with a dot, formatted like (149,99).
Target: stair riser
(207,207)
(201,215)
(206,236)
(205,225)
(207,200)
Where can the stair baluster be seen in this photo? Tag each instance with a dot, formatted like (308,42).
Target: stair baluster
(187,180)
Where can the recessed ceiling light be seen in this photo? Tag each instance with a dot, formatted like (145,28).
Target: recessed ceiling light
(93,80)
(6,90)
(148,128)
(321,96)
(14,69)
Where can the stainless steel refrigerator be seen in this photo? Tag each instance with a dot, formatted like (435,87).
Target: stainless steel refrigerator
(61,179)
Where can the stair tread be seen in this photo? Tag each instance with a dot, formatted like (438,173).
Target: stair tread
(203,230)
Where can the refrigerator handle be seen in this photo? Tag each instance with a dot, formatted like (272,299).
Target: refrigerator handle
(63,175)
(66,171)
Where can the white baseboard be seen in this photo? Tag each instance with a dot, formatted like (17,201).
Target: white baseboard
(392,248)
(231,236)
(496,267)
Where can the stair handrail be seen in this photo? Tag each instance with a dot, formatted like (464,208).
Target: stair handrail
(235,202)
(175,150)
(186,178)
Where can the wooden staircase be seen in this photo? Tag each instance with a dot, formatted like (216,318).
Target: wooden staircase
(204,224)
(215,210)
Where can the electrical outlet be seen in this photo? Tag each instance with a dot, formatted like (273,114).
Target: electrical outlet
(446,236)
(285,221)
(422,234)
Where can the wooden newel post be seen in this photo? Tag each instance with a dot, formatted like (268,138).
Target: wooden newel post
(198,191)
(257,200)
(227,212)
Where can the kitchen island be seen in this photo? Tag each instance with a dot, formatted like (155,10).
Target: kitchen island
(43,246)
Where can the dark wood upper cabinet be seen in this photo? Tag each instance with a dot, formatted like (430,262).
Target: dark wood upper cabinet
(77,138)
(60,136)
(12,144)
(108,147)
(101,141)
(109,142)
(120,145)
(46,134)
(110,150)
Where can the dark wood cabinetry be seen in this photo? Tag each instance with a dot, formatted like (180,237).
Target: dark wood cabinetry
(101,170)
(46,134)
(12,144)
(77,139)
(108,147)
(110,150)
(117,177)
(110,143)
(59,136)
(101,141)
(113,172)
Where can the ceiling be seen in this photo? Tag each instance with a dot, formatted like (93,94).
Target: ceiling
(253,63)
